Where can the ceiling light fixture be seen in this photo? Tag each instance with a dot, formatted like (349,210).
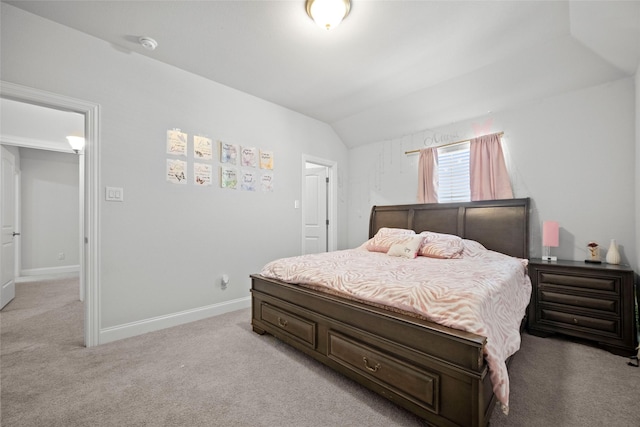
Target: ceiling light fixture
(328,13)
(148,43)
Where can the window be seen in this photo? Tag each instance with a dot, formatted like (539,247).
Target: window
(461,172)
(453,173)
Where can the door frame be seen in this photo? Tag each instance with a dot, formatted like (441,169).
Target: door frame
(89,223)
(332,199)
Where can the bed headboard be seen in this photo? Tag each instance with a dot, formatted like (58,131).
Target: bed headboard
(500,225)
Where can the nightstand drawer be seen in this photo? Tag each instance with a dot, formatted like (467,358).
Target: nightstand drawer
(558,317)
(605,305)
(606,284)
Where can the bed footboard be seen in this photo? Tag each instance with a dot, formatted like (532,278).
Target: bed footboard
(436,372)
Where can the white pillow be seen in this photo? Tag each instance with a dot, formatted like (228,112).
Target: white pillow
(406,249)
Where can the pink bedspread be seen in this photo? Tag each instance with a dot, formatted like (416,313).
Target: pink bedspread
(483,292)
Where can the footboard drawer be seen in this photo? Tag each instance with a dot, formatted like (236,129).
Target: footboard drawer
(410,382)
(302,329)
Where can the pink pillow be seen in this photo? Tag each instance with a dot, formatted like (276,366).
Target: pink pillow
(472,248)
(438,245)
(387,237)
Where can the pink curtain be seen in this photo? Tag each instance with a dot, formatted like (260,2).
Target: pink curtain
(428,176)
(489,176)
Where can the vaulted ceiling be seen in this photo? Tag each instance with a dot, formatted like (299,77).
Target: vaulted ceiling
(392,67)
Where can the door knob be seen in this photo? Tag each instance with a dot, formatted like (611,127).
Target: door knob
(15,234)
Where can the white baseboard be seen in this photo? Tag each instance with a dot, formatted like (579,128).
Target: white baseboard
(132,329)
(50,270)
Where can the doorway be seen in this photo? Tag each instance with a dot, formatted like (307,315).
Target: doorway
(88,192)
(319,207)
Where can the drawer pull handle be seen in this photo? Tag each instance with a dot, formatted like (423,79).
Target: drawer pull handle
(575,320)
(282,323)
(366,365)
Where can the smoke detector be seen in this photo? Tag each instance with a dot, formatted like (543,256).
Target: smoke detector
(148,43)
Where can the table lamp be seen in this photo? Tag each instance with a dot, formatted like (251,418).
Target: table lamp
(550,239)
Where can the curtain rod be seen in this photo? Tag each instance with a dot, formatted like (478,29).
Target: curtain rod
(450,143)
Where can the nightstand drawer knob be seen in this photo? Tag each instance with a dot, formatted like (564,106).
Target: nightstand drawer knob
(575,320)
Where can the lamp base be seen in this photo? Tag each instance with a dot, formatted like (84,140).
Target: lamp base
(550,258)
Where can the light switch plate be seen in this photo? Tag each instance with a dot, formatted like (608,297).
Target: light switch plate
(114,194)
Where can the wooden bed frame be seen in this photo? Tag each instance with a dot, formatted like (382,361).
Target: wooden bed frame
(436,372)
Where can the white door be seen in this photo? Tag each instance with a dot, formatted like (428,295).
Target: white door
(7,216)
(315,211)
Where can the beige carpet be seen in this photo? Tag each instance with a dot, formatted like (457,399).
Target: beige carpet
(217,372)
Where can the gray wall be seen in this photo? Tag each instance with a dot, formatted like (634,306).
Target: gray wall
(49,217)
(165,247)
(637,168)
(573,154)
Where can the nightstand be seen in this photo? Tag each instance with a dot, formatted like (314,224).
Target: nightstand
(588,301)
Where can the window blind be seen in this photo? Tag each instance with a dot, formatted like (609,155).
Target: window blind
(453,173)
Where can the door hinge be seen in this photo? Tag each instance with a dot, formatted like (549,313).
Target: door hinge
(327,179)
(327,222)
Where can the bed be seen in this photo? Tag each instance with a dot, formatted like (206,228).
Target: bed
(437,372)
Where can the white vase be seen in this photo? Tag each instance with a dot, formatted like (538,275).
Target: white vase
(613,255)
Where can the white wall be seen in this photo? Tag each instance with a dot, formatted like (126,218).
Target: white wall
(49,216)
(637,178)
(573,154)
(165,247)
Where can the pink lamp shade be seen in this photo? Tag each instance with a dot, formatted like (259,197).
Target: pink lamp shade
(550,234)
